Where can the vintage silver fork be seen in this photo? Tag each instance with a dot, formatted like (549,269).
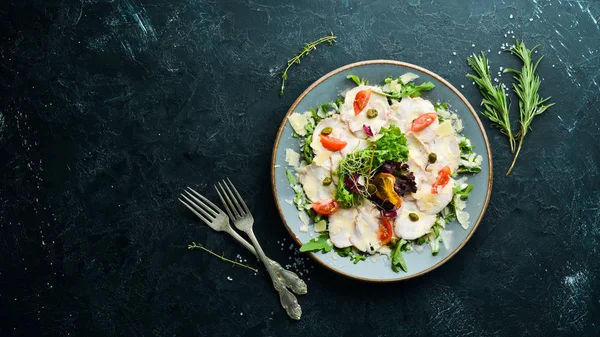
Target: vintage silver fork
(242,219)
(216,219)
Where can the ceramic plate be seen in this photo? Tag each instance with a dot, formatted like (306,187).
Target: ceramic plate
(327,89)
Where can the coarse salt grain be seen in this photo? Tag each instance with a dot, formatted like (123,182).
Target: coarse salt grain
(511,16)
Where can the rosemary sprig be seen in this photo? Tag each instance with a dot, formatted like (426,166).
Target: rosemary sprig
(330,39)
(494,97)
(526,87)
(222,257)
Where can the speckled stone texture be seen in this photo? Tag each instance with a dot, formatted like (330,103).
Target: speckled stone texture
(108,109)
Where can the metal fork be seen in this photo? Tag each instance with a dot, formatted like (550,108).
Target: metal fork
(214,217)
(242,219)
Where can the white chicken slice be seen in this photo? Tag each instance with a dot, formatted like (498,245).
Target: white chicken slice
(341,226)
(408,229)
(311,177)
(356,122)
(405,111)
(417,152)
(428,134)
(433,203)
(446,148)
(339,131)
(366,233)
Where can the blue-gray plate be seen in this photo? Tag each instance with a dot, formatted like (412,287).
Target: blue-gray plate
(327,89)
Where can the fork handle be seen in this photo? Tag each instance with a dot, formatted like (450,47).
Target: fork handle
(241,240)
(291,279)
(287,299)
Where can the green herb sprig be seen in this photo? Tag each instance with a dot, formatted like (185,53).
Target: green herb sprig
(526,87)
(494,103)
(330,39)
(222,257)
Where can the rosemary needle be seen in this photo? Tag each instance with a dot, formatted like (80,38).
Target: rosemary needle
(526,87)
(494,103)
(330,39)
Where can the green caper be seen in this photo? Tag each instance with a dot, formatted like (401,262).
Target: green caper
(327,181)
(413,216)
(371,189)
(371,113)
(432,157)
(326,130)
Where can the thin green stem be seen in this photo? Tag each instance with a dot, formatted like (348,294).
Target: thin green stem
(222,257)
(330,39)
(516,155)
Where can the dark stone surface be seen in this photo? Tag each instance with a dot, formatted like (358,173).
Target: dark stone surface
(110,108)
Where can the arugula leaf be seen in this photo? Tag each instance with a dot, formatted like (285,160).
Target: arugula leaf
(423,239)
(463,193)
(319,243)
(356,80)
(410,90)
(469,162)
(440,107)
(348,252)
(396,256)
(291,178)
(343,252)
(356,258)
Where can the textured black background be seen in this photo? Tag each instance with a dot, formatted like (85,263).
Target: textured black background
(109,108)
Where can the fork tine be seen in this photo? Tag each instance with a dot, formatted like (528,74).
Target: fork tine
(198,206)
(224,204)
(235,201)
(202,204)
(205,200)
(239,196)
(194,211)
(228,205)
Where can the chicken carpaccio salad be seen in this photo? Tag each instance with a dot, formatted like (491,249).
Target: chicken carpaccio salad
(379,171)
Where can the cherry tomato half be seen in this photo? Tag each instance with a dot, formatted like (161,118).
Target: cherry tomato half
(361,100)
(326,207)
(331,143)
(385,231)
(442,180)
(423,121)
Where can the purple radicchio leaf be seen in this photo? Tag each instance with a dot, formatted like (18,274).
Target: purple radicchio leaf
(389,214)
(353,185)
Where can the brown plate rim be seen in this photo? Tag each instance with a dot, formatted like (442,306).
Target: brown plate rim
(407,65)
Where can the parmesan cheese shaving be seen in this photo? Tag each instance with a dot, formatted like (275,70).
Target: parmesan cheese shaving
(298,122)
(445,129)
(292,158)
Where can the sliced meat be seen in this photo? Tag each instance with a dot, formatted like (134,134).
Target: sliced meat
(311,177)
(366,233)
(356,122)
(341,226)
(433,203)
(408,229)
(405,111)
